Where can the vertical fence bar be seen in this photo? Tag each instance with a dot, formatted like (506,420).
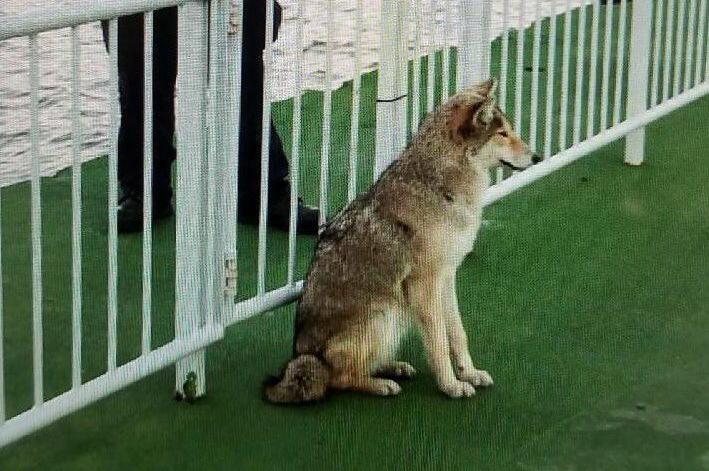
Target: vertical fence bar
(706,47)
(190,235)
(391,93)
(620,60)
(113,197)
(356,99)
(706,60)
(691,36)
(295,146)
(327,116)
(219,275)
(265,149)
(431,60)
(659,7)
(580,57)
(701,43)
(605,82)
(215,36)
(519,74)
(535,76)
(667,63)
(504,56)
(36,220)
(641,31)
(416,74)
(551,61)
(679,48)
(473,42)
(402,56)
(76,140)
(206,182)
(222,270)
(2,335)
(231,165)
(504,65)
(446,88)
(566,59)
(592,92)
(147,181)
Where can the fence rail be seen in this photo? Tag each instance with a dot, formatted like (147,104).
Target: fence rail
(572,82)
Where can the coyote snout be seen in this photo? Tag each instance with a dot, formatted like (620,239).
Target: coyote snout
(389,261)
(509,150)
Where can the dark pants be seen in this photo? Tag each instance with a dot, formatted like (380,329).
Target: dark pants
(130,79)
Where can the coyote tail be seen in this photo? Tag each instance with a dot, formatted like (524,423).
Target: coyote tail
(304,379)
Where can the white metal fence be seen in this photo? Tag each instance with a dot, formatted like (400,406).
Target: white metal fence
(566,102)
(201,135)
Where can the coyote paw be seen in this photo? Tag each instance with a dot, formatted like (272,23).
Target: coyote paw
(398,369)
(386,387)
(457,389)
(404,370)
(482,378)
(477,378)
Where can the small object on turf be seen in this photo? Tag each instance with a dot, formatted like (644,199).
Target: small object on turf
(640,406)
(189,388)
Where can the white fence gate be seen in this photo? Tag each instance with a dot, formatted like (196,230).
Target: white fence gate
(660,45)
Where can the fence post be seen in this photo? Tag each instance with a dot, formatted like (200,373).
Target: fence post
(227,226)
(191,183)
(640,50)
(473,42)
(392,84)
(224,49)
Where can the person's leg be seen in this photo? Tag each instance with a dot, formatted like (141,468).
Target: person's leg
(164,76)
(250,133)
(130,84)
(130,138)
(252,108)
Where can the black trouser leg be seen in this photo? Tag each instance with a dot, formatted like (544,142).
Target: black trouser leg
(131,87)
(252,112)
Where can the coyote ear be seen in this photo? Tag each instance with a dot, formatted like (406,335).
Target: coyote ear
(489,87)
(485,112)
(466,119)
(460,123)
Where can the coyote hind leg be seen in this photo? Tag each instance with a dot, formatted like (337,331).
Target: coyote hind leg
(366,384)
(350,374)
(352,358)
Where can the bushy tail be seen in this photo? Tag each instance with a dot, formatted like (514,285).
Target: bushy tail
(304,379)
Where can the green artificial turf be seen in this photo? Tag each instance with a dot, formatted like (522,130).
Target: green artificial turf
(585,297)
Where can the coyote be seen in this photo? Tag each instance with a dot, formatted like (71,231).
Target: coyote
(389,260)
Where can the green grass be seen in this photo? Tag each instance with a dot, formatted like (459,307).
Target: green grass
(585,297)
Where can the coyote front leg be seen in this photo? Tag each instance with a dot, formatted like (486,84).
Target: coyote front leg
(459,351)
(427,303)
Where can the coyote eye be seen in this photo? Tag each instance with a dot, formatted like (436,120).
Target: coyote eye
(502,133)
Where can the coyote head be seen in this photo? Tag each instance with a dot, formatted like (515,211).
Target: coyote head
(477,124)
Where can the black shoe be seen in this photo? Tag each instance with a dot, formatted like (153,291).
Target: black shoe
(279,215)
(130,212)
